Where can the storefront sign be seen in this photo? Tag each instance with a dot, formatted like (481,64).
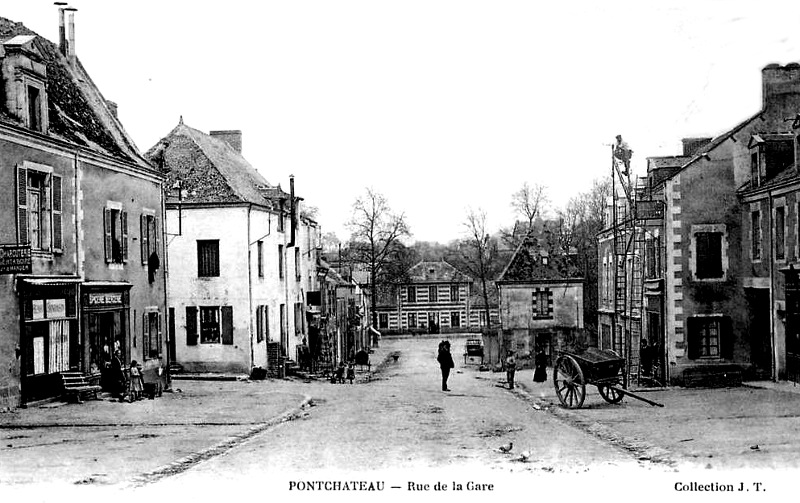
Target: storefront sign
(104,299)
(37,309)
(56,308)
(15,259)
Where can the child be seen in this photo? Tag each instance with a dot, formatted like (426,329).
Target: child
(511,369)
(137,386)
(340,373)
(351,372)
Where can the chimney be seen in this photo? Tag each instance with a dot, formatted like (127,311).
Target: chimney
(292,211)
(780,86)
(692,145)
(113,108)
(62,31)
(232,137)
(71,45)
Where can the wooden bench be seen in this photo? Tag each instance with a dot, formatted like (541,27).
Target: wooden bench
(77,385)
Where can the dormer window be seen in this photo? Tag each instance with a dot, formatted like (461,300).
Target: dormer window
(770,153)
(35,111)
(25,75)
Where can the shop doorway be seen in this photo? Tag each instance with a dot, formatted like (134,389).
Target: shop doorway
(106,334)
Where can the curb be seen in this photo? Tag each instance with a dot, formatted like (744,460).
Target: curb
(187,462)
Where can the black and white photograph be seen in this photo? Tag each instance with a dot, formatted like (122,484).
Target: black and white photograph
(434,250)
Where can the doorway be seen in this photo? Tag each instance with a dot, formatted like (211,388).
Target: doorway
(759,331)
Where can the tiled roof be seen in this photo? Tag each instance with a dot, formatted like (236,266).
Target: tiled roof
(788,174)
(527,265)
(209,170)
(436,272)
(77,111)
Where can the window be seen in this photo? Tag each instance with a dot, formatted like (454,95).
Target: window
(412,320)
(454,294)
(148,231)
(755,234)
(115,225)
(35,109)
(280,261)
(151,340)
(208,258)
(216,325)
(299,318)
(709,337)
(433,294)
(260,252)
(780,233)
(39,208)
(709,255)
(482,318)
(412,294)
(455,319)
(383,320)
(542,300)
(262,323)
(754,171)
(281,223)
(297,275)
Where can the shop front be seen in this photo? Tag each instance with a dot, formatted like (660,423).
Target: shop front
(105,308)
(50,342)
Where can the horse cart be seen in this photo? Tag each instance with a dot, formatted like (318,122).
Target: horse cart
(473,351)
(599,367)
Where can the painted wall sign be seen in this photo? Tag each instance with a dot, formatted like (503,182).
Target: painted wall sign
(56,308)
(104,299)
(15,259)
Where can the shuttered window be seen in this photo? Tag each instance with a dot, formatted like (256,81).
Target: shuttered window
(151,336)
(709,254)
(227,324)
(115,229)
(208,258)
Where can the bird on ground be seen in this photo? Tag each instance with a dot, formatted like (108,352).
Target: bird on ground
(523,457)
(506,448)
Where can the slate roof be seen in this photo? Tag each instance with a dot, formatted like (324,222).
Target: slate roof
(77,111)
(436,272)
(670,161)
(526,264)
(209,169)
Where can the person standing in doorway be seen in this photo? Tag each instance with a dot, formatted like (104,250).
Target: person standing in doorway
(445,360)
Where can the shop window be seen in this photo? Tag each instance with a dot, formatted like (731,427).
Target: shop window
(542,300)
(455,319)
(433,294)
(151,336)
(39,220)
(208,258)
(383,320)
(148,233)
(454,293)
(115,225)
(412,294)
(709,337)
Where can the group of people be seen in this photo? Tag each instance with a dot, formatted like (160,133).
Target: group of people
(539,363)
(120,385)
(339,375)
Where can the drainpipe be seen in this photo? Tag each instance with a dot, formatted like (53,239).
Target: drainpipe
(774,362)
(250,286)
(165,267)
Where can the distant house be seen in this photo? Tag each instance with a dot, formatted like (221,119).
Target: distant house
(81,249)
(435,297)
(242,258)
(539,306)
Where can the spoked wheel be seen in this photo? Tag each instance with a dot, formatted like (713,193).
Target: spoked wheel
(569,383)
(610,395)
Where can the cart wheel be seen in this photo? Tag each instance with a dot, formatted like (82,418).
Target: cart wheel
(610,395)
(569,383)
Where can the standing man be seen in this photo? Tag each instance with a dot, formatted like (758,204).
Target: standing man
(445,360)
(511,369)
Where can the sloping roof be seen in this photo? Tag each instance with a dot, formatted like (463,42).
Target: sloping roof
(670,161)
(789,174)
(77,111)
(209,169)
(717,141)
(527,265)
(436,272)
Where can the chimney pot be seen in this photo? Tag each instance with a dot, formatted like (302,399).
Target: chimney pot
(232,137)
(780,85)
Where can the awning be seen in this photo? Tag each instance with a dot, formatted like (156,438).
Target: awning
(108,284)
(50,281)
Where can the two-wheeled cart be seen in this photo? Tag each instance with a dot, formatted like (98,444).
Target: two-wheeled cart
(599,367)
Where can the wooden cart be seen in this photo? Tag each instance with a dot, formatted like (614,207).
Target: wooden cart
(473,351)
(599,367)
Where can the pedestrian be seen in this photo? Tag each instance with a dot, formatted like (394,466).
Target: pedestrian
(445,360)
(540,366)
(511,369)
(340,373)
(116,379)
(351,372)
(136,383)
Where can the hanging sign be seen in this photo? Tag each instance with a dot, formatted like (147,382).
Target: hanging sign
(15,259)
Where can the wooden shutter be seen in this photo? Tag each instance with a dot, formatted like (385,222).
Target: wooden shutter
(145,335)
(227,324)
(58,237)
(107,232)
(154,243)
(22,206)
(692,335)
(123,215)
(191,325)
(258,323)
(266,322)
(158,335)
(143,237)
(726,338)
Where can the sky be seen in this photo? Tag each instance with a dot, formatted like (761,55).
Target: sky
(439,105)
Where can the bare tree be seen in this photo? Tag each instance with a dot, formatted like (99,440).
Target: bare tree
(529,202)
(479,253)
(376,229)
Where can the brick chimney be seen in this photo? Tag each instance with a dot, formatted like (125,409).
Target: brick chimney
(780,85)
(692,145)
(232,137)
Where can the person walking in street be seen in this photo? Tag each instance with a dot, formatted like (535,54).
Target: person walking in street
(445,360)
(511,369)
(540,366)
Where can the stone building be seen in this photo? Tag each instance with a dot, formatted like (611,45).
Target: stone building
(81,249)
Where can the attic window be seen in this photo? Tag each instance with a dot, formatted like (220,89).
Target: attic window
(34,108)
